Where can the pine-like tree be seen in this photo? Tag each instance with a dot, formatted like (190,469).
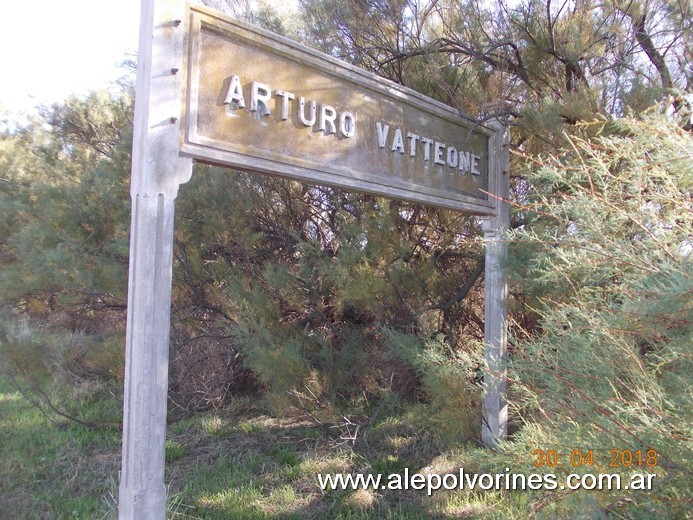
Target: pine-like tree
(604,259)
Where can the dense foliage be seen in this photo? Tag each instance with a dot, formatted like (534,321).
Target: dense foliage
(604,259)
(345,309)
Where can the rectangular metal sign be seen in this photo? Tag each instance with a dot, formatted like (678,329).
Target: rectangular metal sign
(259,102)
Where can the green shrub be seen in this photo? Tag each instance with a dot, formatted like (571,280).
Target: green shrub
(448,382)
(606,261)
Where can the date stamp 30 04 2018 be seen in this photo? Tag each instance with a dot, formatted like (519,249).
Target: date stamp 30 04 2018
(616,458)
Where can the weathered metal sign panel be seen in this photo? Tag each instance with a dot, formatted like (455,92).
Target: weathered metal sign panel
(256,101)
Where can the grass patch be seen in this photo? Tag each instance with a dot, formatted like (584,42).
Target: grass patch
(51,471)
(222,466)
(174,451)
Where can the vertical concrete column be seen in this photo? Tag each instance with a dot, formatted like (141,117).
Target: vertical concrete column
(157,172)
(494,407)
(494,425)
(142,490)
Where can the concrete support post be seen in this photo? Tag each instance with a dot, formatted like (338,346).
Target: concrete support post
(142,490)
(494,407)
(494,425)
(157,172)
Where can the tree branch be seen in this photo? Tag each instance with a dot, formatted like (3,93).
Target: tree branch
(645,41)
(463,291)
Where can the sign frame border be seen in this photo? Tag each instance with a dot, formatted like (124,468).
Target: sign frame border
(203,149)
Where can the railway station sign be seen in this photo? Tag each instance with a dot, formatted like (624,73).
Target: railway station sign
(219,91)
(256,101)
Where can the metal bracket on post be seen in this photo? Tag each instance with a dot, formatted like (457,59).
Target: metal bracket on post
(157,172)
(494,425)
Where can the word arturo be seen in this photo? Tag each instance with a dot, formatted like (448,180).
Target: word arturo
(327,118)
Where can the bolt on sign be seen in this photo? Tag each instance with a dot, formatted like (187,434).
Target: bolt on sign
(257,101)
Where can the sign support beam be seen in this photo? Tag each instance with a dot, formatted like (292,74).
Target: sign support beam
(494,425)
(157,171)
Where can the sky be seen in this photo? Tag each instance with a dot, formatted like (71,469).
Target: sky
(52,48)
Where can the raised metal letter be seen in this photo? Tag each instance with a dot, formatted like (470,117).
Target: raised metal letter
(260,95)
(302,112)
(235,93)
